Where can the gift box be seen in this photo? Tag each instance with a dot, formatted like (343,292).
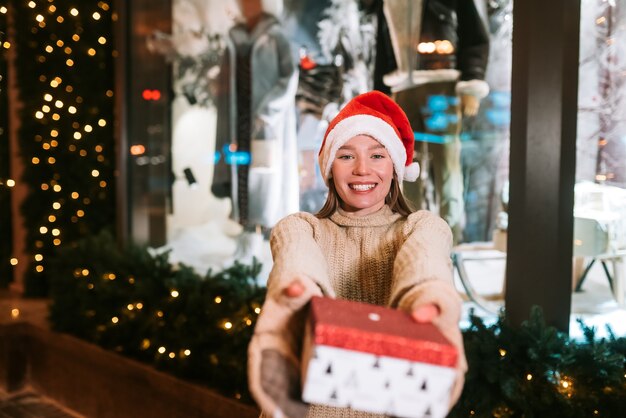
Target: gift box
(375,359)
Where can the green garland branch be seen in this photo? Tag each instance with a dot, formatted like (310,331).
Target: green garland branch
(140,305)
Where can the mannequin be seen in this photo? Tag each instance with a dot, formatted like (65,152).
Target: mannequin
(439,86)
(259,124)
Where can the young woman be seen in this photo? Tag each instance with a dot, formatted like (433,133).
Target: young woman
(365,244)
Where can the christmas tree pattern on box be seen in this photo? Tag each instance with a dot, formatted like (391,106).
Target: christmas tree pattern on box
(375,359)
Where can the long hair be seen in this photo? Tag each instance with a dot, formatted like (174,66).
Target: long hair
(394,199)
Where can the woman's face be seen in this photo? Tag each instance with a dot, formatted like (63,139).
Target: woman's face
(362,172)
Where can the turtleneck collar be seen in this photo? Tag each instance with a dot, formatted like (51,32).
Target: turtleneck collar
(384,216)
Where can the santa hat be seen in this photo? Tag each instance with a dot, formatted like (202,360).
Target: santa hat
(376,115)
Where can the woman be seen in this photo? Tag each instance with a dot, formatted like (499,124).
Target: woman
(363,245)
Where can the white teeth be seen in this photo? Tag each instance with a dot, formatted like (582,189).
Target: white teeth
(362,187)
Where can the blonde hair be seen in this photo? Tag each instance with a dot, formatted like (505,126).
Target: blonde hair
(394,199)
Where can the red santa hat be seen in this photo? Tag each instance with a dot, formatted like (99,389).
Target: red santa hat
(376,115)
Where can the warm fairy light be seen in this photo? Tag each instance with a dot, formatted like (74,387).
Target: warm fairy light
(529,377)
(44,186)
(111,276)
(47,97)
(48,49)
(71,109)
(98,148)
(95,173)
(77,135)
(15,313)
(68,50)
(102,40)
(139,305)
(43,229)
(39,269)
(14,261)
(145,344)
(257,310)
(45,108)
(161,350)
(187,352)
(91,52)
(75,195)
(57,188)
(60,43)
(84,272)
(102,122)
(96,16)
(174,293)
(102,184)
(52,218)
(88,128)
(115,320)
(69,62)
(248,321)
(130,307)
(159,314)
(38,257)
(56,116)
(51,160)
(74,12)
(58,104)
(502,352)
(228,325)
(39,114)
(90,286)
(54,133)
(131,280)
(218,299)
(39,18)
(171,355)
(31,4)
(56,206)
(83,153)
(3,9)
(10,183)
(60,19)
(80,213)
(137,149)
(75,37)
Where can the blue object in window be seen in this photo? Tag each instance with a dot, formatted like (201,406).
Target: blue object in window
(437,103)
(437,122)
(238,158)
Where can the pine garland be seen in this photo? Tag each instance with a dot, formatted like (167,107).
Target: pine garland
(140,305)
(535,371)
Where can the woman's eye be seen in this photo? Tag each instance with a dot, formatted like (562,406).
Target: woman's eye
(344,157)
(378,156)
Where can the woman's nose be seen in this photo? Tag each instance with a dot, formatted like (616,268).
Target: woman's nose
(361,166)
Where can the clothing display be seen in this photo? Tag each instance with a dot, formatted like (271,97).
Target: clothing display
(454,47)
(259,123)
(382,259)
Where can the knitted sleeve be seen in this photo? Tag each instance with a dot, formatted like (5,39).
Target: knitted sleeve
(297,254)
(422,271)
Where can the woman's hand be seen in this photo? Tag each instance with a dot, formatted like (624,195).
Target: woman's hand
(425,313)
(274,351)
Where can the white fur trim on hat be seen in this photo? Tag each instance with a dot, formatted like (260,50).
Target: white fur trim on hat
(364,125)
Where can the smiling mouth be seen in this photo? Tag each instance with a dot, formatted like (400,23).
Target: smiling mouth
(362,187)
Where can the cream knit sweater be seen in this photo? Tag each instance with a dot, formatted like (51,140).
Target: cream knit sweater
(382,258)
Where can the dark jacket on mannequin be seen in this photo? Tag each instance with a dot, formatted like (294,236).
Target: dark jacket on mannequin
(457,21)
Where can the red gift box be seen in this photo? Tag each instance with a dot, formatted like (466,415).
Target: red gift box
(375,359)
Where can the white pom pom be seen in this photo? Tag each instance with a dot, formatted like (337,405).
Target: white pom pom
(411,171)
